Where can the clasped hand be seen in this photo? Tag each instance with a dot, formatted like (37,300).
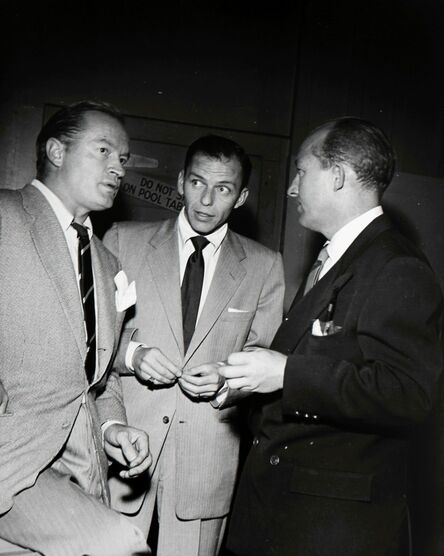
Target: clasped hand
(152,365)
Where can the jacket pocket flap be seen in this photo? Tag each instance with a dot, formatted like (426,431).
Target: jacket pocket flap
(332,484)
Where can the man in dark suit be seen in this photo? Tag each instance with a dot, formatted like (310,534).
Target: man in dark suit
(351,370)
(60,321)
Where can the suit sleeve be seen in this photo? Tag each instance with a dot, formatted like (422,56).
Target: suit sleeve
(392,379)
(267,318)
(109,402)
(269,310)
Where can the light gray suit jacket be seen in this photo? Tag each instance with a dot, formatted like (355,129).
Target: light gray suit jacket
(42,341)
(249,278)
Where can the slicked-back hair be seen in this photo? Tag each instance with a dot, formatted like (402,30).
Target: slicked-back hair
(363,146)
(66,123)
(215,146)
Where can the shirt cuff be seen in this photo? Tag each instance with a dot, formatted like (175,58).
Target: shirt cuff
(130,350)
(221,395)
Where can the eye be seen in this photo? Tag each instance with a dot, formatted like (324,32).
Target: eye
(104,151)
(123,160)
(224,189)
(195,182)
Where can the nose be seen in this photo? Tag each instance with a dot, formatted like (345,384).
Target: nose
(116,168)
(207,197)
(293,190)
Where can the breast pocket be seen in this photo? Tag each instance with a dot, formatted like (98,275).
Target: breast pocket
(237,316)
(232,331)
(341,345)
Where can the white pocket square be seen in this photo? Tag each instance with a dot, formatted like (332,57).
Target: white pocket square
(125,294)
(324,328)
(234,310)
(316,328)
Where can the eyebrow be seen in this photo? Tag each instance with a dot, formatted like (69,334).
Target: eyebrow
(109,143)
(223,182)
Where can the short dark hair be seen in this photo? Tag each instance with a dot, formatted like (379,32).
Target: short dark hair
(65,123)
(215,146)
(363,146)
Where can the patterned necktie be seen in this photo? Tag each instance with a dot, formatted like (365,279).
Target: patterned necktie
(192,288)
(87,293)
(315,270)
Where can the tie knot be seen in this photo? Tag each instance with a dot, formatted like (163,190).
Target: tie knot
(323,256)
(199,242)
(82,232)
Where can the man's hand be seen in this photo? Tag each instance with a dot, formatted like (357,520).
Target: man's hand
(203,381)
(4,399)
(257,370)
(151,365)
(129,447)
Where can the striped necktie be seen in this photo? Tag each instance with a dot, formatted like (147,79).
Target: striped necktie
(315,270)
(86,284)
(192,288)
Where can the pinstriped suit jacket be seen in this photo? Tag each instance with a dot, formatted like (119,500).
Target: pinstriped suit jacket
(249,277)
(42,340)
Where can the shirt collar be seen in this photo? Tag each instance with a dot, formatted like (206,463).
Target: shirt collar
(344,237)
(186,232)
(62,213)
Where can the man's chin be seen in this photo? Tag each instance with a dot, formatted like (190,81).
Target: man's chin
(202,228)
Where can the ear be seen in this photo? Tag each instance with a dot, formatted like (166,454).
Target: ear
(55,151)
(242,198)
(180,180)
(338,177)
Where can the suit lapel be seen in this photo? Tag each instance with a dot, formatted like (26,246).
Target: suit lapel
(52,249)
(163,262)
(105,303)
(227,278)
(307,308)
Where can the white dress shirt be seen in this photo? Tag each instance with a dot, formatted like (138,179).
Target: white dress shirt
(65,219)
(344,237)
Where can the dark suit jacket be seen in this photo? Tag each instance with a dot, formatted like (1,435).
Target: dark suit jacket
(326,473)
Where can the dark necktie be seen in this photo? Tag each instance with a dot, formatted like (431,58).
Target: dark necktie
(315,271)
(192,288)
(87,293)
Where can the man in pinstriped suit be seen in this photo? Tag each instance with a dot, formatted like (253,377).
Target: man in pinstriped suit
(176,392)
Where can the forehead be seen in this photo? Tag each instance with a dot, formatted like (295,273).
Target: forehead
(97,126)
(312,142)
(221,169)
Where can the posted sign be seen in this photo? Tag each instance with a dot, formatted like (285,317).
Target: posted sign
(153,191)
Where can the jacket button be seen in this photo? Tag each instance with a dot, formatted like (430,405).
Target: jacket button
(274,460)
(166,419)
(65,425)
(255,441)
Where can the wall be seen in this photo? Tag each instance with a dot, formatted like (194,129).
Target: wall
(272,72)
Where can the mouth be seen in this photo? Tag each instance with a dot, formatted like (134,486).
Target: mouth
(204,216)
(112,186)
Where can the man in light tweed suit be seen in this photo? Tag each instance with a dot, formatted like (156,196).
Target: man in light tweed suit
(53,447)
(176,395)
